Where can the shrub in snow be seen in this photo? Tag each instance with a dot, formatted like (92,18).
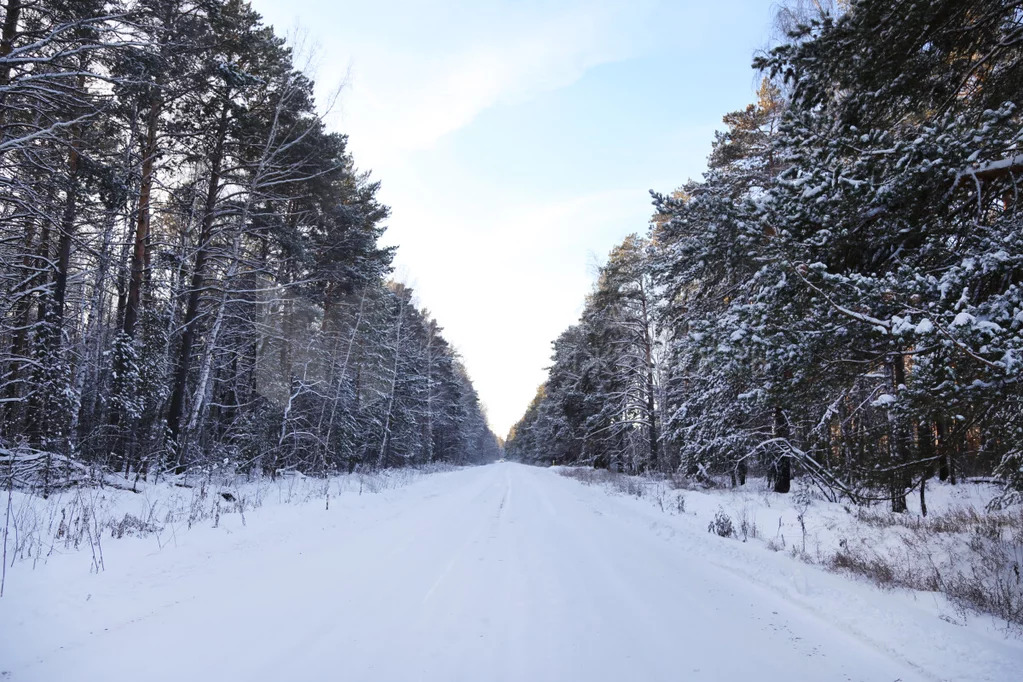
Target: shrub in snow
(992,583)
(722,525)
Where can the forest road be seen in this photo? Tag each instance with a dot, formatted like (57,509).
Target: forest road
(502,572)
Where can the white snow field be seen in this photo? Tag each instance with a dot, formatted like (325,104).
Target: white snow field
(503,572)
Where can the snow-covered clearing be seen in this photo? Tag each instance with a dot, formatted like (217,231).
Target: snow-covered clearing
(503,572)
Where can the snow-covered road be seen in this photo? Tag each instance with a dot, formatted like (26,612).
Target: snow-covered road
(502,572)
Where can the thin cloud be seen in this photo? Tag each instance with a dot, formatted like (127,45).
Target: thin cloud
(405,101)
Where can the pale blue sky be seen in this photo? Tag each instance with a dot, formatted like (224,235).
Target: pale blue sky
(516,142)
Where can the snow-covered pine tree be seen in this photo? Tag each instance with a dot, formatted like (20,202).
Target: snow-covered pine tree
(896,215)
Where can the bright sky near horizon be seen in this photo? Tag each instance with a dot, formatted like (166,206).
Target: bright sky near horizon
(516,142)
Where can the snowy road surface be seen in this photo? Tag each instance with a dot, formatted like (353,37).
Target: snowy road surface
(502,572)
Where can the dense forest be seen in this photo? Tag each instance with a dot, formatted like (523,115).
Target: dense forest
(840,297)
(190,273)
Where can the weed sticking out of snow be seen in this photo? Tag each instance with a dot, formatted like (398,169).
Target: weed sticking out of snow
(83,517)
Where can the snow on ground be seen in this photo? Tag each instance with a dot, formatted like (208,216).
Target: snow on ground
(961,555)
(502,572)
(84,516)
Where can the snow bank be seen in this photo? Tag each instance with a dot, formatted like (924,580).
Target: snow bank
(86,517)
(968,555)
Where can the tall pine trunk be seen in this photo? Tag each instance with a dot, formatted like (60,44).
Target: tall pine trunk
(782,465)
(188,324)
(8,34)
(898,483)
(139,256)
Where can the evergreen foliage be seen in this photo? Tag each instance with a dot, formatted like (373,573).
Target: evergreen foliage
(189,260)
(841,296)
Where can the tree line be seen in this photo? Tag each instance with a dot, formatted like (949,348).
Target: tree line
(841,296)
(190,273)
